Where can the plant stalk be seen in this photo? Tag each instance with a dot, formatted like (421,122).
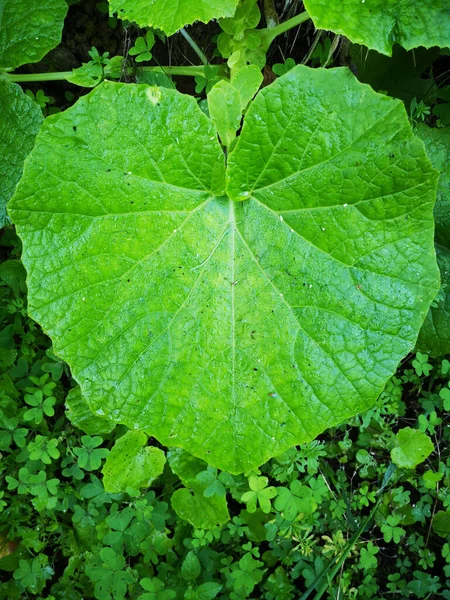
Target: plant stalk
(193,71)
(195,47)
(270,33)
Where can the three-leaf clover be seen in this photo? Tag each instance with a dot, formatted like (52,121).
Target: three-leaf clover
(89,455)
(43,449)
(11,432)
(445,395)
(259,494)
(421,365)
(215,483)
(142,47)
(296,500)
(111,580)
(391,530)
(40,405)
(155,590)
(367,559)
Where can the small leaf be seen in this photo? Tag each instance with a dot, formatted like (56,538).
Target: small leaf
(441,523)
(190,502)
(247,82)
(131,463)
(413,447)
(224,104)
(191,568)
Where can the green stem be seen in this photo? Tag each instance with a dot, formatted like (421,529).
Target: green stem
(193,71)
(269,34)
(193,44)
(270,14)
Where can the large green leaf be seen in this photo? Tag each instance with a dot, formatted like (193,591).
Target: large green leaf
(434,337)
(379,24)
(233,328)
(171,15)
(20,120)
(81,416)
(29,29)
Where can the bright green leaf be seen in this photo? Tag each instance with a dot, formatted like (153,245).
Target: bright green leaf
(224,104)
(88,75)
(131,463)
(380,24)
(413,447)
(28,30)
(247,81)
(234,328)
(171,16)
(80,415)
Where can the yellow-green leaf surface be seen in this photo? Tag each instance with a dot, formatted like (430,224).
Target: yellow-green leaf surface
(29,29)
(434,337)
(20,120)
(171,15)
(379,24)
(413,447)
(233,327)
(131,463)
(81,416)
(190,503)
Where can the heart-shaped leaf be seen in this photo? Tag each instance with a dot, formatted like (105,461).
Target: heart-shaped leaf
(234,327)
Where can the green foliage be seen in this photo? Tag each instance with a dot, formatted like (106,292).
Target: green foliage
(290,283)
(206,255)
(413,447)
(384,24)
(142,47)
(132,465)
(29,30)
(141,544)
(21,120)
(182,12)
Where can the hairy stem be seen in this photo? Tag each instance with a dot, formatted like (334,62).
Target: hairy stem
(193,44)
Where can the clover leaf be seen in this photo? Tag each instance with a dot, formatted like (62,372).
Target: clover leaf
(259,494)
(90,456)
